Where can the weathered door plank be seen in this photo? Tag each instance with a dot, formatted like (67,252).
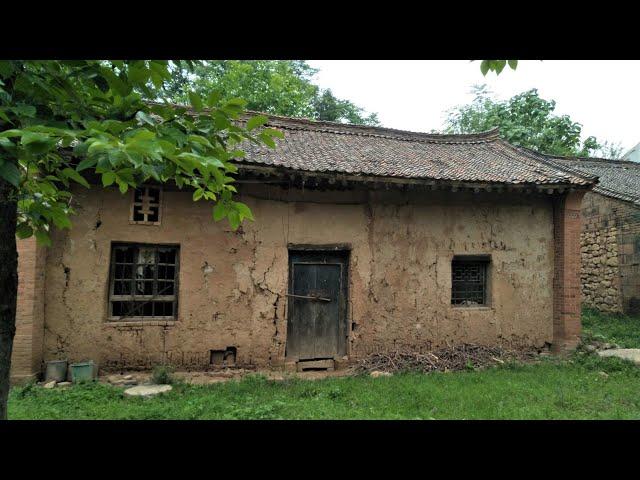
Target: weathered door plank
(316,327)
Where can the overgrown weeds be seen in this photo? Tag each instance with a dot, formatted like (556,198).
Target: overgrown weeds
(163,375)
(622,330)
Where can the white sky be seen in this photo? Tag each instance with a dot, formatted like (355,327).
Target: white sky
(604,96)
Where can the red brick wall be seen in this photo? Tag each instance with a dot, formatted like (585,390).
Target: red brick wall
(566,278)
(27,345)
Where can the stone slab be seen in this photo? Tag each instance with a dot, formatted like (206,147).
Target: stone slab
(632,354)
(147,390)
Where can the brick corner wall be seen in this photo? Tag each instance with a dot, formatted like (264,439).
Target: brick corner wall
(566,279)
(26,359)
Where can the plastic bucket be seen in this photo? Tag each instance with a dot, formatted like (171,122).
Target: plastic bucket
(56,370)
(82,372)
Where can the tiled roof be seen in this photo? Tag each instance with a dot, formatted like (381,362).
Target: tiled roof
(315,146)
(617,178)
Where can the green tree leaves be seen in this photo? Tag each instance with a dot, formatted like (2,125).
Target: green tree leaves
(281,87)
(24,231)
(267,136)
(64,119)
(332,109)
(236,212)
(526,120)
(37,143)
(108,178)
(256,121)
(196,101)
(497,66)
(72,174)
(9,172)
(243,211)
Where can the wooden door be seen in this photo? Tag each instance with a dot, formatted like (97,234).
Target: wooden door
(317,314)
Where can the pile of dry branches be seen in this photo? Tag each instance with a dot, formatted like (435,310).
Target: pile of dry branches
(459,357)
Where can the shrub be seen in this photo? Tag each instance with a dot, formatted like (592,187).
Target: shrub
(26,390)
(163,375)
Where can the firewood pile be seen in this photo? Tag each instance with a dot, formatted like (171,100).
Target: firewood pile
(459,357)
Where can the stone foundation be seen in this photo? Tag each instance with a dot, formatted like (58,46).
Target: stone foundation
(610,253)
(599,273)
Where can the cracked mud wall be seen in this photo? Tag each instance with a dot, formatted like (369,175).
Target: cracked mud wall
(232,284)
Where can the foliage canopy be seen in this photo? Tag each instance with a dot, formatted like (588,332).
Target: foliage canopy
(529,121)
(280,87)
(54,111)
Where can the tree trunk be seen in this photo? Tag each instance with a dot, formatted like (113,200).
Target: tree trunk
(8,287)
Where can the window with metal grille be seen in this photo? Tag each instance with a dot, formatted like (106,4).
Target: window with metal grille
(143,281)
(469,281)
(145,207)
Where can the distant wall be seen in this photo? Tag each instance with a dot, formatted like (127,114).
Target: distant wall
(610,252)
(633,155)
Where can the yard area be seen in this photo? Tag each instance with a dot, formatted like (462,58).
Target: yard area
(582,386)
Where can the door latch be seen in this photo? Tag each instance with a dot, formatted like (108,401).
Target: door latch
(323,299)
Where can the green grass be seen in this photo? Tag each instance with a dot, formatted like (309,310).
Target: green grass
(570,388)
(619,329)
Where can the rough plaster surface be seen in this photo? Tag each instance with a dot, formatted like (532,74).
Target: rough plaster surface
(232,284)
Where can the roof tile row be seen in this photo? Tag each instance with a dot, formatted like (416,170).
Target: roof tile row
(374,151)
(616,178)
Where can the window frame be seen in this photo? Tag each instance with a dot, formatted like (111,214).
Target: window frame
(485,262)
(133,297)
(134,204)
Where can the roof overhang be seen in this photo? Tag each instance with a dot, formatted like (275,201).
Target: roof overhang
(252,173)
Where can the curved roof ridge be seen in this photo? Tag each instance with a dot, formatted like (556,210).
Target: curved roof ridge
(321,146)
(618,179)
(608,161)
(298,123)
(547,160)
(608,192)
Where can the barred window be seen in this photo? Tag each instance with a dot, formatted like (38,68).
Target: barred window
(145,207)
(469,280)
(143,281)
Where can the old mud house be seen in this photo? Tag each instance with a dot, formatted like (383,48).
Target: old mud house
(365,238)
(610,238)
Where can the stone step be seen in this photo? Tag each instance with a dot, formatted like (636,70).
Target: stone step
(325,364)
(631,354)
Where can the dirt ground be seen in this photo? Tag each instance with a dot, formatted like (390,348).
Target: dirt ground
(218,376)
(459,357)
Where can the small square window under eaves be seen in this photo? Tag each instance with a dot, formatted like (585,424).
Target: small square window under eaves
(146,206)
